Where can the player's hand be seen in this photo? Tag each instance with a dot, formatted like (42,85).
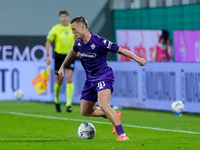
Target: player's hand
(48,61)
(61,71)
(142,62)
(78,54)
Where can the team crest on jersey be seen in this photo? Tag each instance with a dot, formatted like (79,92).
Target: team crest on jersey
(92,46)
(79,44)
(104,41)
(66,33)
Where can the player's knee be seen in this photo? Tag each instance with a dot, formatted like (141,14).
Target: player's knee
(59,79)
(69,79)
(84,113)
(104,108)
(59,82)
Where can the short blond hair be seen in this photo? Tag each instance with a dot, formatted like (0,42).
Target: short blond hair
(80,19)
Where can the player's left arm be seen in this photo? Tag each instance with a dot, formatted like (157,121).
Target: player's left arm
(129,54)
(70,56)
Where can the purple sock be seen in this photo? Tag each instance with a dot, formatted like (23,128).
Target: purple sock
(104,116)
(119,129)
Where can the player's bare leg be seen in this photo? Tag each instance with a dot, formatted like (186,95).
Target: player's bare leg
(88,109)
(104,104)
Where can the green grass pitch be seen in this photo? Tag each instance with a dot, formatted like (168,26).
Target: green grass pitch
(36,126)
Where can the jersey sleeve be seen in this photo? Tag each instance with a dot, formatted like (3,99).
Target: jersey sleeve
(75,47)
(51,35)
(108,45)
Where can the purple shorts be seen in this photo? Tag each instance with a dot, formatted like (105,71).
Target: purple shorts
(91,89)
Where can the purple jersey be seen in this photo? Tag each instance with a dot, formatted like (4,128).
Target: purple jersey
(93,57)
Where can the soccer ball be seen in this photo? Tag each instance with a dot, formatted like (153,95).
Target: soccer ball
(18,93)
(86,130)
(177,106)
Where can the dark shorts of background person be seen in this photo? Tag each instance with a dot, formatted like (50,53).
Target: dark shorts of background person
(59,58)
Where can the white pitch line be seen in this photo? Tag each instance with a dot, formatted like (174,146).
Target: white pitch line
(99,122)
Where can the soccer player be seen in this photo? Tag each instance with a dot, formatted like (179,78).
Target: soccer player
(64,41)
(98,86)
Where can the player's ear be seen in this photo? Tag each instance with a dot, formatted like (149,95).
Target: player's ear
(83,27)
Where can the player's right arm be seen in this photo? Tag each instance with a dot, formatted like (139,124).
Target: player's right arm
(129,54)
(47,46)
(70,56)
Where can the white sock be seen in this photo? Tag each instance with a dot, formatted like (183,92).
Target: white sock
(123,134)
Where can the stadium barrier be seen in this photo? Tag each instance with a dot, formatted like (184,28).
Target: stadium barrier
(154,86)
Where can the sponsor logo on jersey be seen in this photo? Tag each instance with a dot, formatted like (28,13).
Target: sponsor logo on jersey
(92,46)
(88,55)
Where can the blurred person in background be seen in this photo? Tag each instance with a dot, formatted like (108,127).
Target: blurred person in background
(170,49)
(64,41)
(160,53)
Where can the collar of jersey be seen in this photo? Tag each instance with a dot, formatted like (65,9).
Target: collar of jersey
(65,26)
(90,41)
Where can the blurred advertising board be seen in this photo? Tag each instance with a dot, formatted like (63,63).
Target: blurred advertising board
(21,59)
(140,42)
(187,45)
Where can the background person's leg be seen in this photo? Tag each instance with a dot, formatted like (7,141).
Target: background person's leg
(69,89)
(57,87)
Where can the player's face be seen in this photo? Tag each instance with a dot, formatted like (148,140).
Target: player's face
(64,19)
(77,29)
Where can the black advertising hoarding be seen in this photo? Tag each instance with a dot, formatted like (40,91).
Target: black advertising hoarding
(22,58)
(22,48)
